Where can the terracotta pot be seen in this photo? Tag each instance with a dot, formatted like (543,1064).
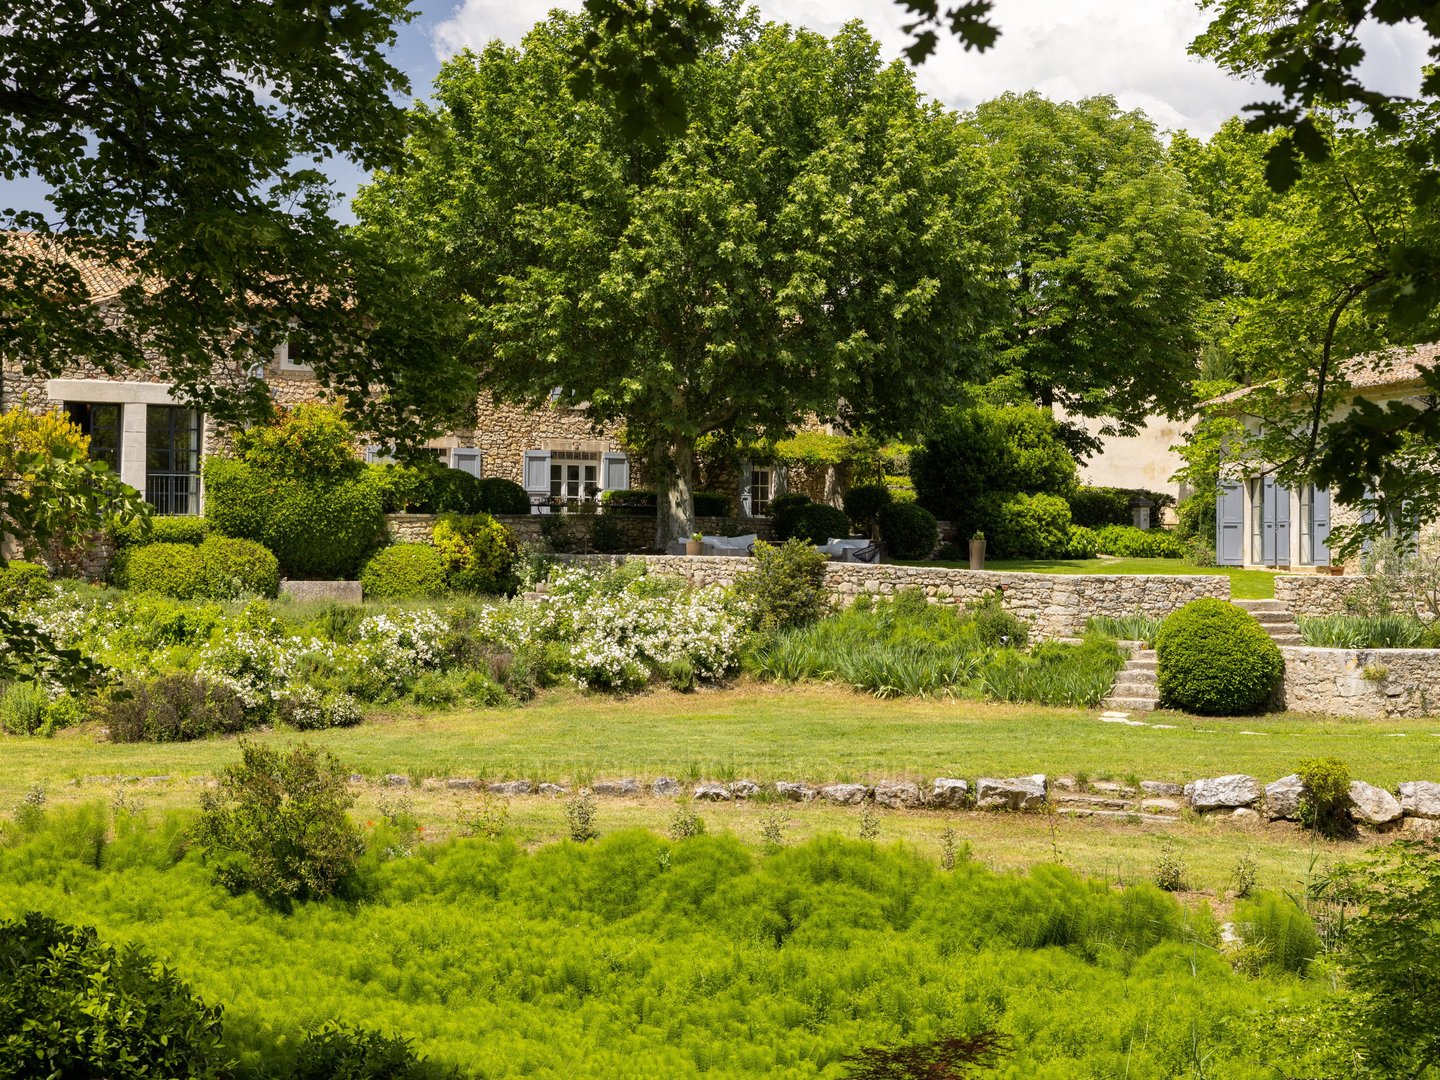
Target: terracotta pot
(694,547)
(977,554)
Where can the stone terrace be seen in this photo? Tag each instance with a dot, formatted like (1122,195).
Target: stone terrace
(1056,605)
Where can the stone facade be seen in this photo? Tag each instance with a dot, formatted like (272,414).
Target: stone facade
(1056,605)
(1362,682)
(637,530)
(1315,594)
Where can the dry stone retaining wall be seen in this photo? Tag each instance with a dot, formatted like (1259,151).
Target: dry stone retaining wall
(1362,682)
(637,530)
(1315,594)
(1056,605)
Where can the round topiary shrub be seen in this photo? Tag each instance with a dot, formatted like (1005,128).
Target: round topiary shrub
(908,531)
(169,569)
(1020,526)
(815,523)
(447,491)
(863,504)
(234,568)
(782,506)
(480,553)
(1214,659)
(404,571)
(497,495)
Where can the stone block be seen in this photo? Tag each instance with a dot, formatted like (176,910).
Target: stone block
(511,787)
(744,789)
(951,793)
(1282,798)
(897,794)
(1372,805)
(330,592)
(712,793)
(1014,793)
(616,788)
(666,787)
(1224,792)
(1420,798)
(845,794)
(787,789)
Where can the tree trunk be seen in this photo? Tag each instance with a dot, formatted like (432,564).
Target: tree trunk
(674,464)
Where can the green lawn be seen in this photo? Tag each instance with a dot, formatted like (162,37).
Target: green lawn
(766,732)
(1244,584)
(810,732)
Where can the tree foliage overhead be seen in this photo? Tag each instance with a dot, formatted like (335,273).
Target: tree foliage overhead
(179,143)
(1111,268)
(817,242)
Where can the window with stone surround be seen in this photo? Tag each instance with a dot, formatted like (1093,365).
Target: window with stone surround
(575,476)
(101,422)
(172,459)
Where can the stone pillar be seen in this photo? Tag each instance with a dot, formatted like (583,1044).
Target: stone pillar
(133,426)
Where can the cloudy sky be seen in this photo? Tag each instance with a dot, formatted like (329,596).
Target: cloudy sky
(1066,49)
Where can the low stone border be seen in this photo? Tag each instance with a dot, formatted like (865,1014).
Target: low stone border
(1413,806)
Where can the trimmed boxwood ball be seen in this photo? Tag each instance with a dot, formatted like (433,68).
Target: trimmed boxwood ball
(815,523)
(168,569)
(908,531)
(864,502)
(1215,660)
(500,496)
(233,568)
(404,571)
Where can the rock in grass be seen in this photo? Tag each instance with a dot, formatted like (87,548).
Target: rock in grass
(712,793)
(512,787)
(787,789)
(744,789)
(1373,805)
(1282,798)
(844,794)
(615,788)
(461,783)
(554,789)
(1420,798)
(1014,793)
(1163,789)
(396,780)
(897,794)
(947,792)
(667,787)
(1224,792)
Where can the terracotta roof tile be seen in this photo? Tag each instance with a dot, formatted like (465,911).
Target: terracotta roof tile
(1398,366)
(103,280)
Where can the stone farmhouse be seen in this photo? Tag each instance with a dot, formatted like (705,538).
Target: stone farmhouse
(158,443)
(1261,523)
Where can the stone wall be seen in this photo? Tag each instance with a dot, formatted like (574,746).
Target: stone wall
(1315,594)
(638,530)
(1056,605)
(1362,682)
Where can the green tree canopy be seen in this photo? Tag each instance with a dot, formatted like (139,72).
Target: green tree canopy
(1109,279)
(179,143)
(818,241)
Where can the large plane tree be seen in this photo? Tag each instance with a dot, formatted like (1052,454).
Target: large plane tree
(817,241)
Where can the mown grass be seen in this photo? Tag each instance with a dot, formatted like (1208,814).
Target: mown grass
(760,732)
(1244,584)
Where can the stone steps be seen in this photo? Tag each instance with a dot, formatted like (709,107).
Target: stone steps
(1274,618)
(1135,688)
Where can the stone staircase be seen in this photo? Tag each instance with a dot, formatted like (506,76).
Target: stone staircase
(1275,617)
(1135,689)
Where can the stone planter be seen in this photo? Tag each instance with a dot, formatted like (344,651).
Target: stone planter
(694,547)
(977,554)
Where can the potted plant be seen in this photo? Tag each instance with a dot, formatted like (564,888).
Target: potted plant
(977,550)
(695,545)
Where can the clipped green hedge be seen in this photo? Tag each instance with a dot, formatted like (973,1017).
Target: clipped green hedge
(1129,542)
(222,568)
(500,496)
(168,569)
(1020,526)
(320,528)
(180,529)
(713,504)
(1214,659)
(816,523)
(1083,543)
(480,554)
(908,531)
(21,582)
(404,571)
(864,503)
(233,568)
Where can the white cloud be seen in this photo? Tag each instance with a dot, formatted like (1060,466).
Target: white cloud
(1066,49)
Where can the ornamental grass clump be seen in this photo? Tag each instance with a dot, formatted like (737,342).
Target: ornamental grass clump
(1216,660)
